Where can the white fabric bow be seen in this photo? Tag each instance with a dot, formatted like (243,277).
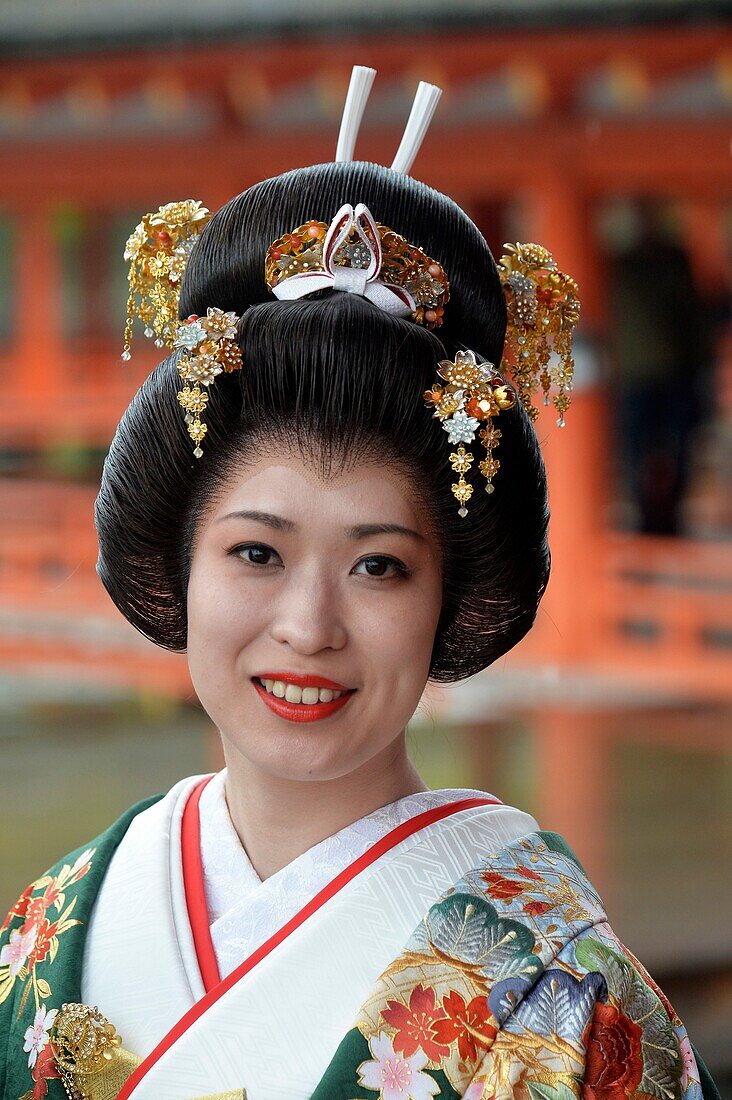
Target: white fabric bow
(354,280)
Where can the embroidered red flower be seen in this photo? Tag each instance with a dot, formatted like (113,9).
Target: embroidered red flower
(466,1023)
(43,1071)
(614,1062)
(537,908)
(415,1025)
(46,932)
(35,912)
(20,908)
(529,872)
(503,888)
(51,893)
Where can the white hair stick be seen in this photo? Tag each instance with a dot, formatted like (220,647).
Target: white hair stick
(423,108)
(358,92)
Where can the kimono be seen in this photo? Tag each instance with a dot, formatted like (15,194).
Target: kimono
(443,946)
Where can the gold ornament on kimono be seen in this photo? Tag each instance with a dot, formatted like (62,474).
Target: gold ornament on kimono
(543,309)
(473,394)
(90,1060)
(83,1042)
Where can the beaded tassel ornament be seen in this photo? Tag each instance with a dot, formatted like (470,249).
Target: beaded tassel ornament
(158,250)
(474,393)
(543,308)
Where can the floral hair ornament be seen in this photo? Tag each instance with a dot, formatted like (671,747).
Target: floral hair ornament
(354,253)
(474,393)
(210,347)
(543,308)
(158,252)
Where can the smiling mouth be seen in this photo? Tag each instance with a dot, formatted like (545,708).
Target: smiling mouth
(292,693)
(293,705)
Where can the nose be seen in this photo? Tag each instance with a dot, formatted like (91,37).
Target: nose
(306,613)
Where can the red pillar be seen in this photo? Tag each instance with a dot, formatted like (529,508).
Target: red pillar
(558,217)
(38,351)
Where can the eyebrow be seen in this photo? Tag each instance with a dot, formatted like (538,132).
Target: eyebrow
(359,531)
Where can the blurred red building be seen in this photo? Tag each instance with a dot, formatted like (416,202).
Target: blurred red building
(543,132)
(539,132)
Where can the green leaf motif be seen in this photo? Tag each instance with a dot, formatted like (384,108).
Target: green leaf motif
(538,1091)
(469,929)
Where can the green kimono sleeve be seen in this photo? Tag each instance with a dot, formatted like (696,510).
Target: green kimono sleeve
(41,953)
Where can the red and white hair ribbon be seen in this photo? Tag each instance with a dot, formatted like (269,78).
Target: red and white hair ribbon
(354,280)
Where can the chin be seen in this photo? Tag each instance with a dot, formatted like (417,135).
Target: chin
(299,759)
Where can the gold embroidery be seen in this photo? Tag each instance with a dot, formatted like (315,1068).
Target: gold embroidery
(90,1060)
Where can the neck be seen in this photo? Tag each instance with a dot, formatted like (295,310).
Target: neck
(278,819)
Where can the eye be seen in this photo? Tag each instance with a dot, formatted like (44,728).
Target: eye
(260,553)
(379,565)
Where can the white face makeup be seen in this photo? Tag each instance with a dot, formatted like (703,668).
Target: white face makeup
(304,597)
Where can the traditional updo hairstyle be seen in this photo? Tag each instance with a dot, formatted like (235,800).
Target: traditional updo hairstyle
(343,381)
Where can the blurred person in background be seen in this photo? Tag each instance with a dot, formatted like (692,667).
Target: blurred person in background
(661,354)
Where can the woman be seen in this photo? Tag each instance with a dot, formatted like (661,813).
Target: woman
(313,921)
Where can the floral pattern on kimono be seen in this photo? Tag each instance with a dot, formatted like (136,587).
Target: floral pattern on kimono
(41,943)
(30,935)
(514,987)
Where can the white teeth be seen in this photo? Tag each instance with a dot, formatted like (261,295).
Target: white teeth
(294,694)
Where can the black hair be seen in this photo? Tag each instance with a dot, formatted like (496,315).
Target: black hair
(343,380)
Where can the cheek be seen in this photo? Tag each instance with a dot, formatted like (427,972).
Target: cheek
(400,632)
(221,616)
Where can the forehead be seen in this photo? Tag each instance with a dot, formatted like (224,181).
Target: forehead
(290,487)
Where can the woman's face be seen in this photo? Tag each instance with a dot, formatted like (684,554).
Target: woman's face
(335,580)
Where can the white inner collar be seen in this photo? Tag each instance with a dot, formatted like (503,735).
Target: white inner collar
(244,911)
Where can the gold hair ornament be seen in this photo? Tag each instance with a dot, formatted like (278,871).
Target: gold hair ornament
(474,393)
(543,309)
(357,254)
(158,252)
(210,347)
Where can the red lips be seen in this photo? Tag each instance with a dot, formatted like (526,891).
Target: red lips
(302,681)
(302,712)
